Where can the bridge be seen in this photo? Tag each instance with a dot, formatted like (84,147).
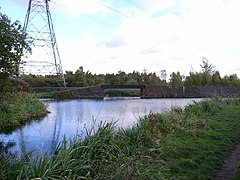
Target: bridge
(146,91)
(122,87)
(95,92)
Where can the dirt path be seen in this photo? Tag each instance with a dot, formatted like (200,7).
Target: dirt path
(230,166)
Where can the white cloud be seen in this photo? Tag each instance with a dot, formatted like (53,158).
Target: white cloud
(159,34)
(166,34)
(154,6)
(77,8)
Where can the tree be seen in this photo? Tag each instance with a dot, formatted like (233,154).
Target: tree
(163,75)
(207,70)
(231,80)
(12,45)
(204,77)
(80,77)
(194,79)
(176,79)
(216,79)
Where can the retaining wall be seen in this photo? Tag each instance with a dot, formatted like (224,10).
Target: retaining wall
(190,92)
(73,92)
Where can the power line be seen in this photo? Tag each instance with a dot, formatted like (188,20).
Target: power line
(134,4)
(90,17)
(119,12)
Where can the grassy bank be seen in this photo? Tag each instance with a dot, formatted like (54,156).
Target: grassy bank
(46,95)
(180,144)
(18,108)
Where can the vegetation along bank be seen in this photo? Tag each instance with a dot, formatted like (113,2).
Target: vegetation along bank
(180,144)
(18,108)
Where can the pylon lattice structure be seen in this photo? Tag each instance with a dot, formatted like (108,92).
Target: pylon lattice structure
(45,58)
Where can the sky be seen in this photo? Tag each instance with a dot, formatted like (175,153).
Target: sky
(106,36)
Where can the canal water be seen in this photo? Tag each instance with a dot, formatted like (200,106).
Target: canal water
(73,117)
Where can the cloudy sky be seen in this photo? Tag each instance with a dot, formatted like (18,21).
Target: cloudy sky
(105,36)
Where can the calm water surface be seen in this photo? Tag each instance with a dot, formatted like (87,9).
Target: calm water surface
(73,117)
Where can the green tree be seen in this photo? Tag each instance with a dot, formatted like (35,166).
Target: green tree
(80,77)
(207,70)
(163,75)
(202,78)
(12,45)
(154,79)
(176,79)
(194,79)
(70,78)
(144,78)
(216,79)
(231,80)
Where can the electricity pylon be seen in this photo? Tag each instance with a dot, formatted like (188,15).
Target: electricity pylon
(45,58)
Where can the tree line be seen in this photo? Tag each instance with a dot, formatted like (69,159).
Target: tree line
(207,76)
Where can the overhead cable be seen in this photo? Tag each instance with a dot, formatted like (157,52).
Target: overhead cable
(90,17)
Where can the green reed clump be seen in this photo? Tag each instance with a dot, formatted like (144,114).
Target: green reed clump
(207,107)
(98,150)
(18,108)
(62,164)
(76,159)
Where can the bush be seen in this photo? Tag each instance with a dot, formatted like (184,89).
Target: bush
(18,108)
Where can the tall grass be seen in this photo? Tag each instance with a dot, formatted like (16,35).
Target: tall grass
(18,108)
(179,144)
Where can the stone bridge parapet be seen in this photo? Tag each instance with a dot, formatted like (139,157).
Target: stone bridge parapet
(146,91)
(190,92)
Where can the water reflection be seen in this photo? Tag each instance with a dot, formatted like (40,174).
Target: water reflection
(4,149)
(73,117)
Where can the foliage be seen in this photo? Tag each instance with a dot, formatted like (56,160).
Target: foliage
(204,108)
(194,79)
(176,79)
(231,80)
(122,92)
(207,76)
(46,95)
(42,81)
(18,108)
(83,78)
(12,45)
(216,79)
(172,145)
(207,70)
